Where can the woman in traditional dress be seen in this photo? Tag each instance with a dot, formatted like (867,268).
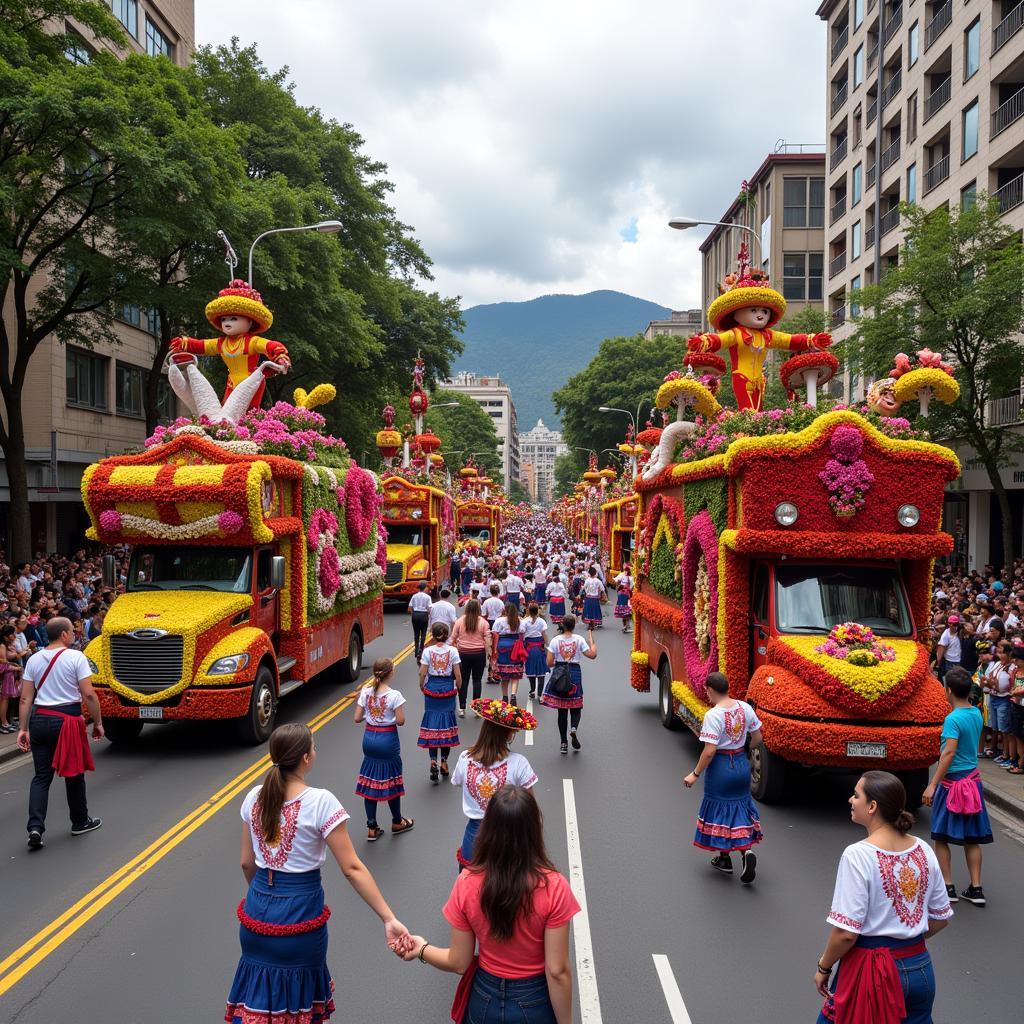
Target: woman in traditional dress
(569,649)
(556,594)
(535,639)
(728,819)
(889,897)
(471,636)
(593,591)
(506,658)
(380,775)
(440,681)
(282,975)
(623,592)
(540,582)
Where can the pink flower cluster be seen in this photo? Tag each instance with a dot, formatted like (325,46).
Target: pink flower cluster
(848,637)
(846,476)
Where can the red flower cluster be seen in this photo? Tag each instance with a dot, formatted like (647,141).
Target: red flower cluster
(282,930)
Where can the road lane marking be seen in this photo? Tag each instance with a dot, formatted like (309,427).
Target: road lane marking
(590,1003)
(30,954)
(529,732)
(674,998)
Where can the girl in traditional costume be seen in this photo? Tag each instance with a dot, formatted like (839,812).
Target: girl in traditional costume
(440,680)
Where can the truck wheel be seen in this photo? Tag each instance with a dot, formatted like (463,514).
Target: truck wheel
(122,730)
(669,718)
(352,665)
(767,774)
(258,723)
(915,782)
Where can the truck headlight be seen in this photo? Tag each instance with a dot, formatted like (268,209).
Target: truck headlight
(421,571)
(93,667)
(228,666)
(908,515)
(786,513)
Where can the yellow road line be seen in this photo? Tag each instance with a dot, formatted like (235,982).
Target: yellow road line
(31,953)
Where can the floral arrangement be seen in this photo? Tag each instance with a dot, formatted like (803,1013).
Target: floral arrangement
(856,644)
(500,712)
(639,671)
(846,475)
(689,701)
(926,360)
(700,601)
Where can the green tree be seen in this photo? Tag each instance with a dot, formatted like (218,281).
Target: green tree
(517,493)
(957,290)
(466,429)
(567,474)
(809,320)
(626,371)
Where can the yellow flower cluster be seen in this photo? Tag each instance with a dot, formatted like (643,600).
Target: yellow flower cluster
(689,700)
(639,658)
(943,385)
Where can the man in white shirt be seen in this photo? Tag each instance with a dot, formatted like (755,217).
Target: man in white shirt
(419,609)
(57,681)
(947,654)
(443,611)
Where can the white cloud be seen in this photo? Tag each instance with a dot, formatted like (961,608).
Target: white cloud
(523,136)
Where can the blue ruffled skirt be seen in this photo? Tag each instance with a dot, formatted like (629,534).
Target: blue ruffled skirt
(574,698)
(439,727)
(282,979)
(464,854)
(728,818)
(556,608)
(380,775)
(506,668)
(592,614)
(959,829)
(539,592)
(536,659)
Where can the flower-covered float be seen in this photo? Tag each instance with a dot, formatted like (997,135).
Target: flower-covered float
(256,563)
(792,549)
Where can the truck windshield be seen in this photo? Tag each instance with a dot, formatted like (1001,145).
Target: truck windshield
(405,533)
(477,533)
(814,598)
(195,568)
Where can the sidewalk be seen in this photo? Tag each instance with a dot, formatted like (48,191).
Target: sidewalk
(9,748)
(1001,790)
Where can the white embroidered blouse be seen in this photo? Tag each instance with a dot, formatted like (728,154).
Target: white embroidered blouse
(306,822)
(727,728)
(480,783)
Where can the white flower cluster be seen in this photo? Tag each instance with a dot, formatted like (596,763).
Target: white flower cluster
(360,573)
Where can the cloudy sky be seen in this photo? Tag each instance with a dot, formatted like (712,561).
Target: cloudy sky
(540,147)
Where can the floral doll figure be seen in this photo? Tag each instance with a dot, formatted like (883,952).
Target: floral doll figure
(743,316)
(239,314)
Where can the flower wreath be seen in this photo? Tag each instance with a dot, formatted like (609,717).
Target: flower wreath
(700,601)
(362,505)
(323,528)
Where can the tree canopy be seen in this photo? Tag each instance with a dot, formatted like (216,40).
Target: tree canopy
(467,430)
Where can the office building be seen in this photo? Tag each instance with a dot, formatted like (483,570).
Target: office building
(682,324)
(495,398)
(541,447)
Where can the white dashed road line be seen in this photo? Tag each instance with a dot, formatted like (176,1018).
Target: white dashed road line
(529,733)
(586,976)
(674,998)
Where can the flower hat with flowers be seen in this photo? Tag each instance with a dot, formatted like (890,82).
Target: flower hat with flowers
(501,713)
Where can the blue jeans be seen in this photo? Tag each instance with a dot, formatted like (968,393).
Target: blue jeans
(497,1000)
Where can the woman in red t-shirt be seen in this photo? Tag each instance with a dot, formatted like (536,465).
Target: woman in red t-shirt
(517,907)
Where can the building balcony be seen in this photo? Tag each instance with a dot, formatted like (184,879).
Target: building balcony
(941,20)
(869,235)
(837,264)
(872,174)
(840,44)
(872,58)
(1002,412)
(892,90)
(890,155)
(1009,113)
(1008,28)
(838,154)
(889,221)
(838,209)
(892,25)
(938,98)
(1011,195)
(872,110)
(839,316)
(840,97)
(936,174)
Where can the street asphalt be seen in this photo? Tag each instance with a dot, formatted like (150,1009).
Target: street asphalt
(163,946)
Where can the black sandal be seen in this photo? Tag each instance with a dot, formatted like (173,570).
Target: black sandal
(433,771)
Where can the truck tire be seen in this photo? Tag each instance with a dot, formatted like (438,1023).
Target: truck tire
(915,781)
(666,709)
(350,668)
(122,730)
(767,774)
(258,723)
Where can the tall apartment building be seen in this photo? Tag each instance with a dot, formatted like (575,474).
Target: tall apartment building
(539,448)
(83,405)
(682,324)
(495,398)
(784,205)
(925,104)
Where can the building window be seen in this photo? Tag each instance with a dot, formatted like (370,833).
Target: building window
(858,13)
(854,292)
(157,44)
(970,126)
(968,196)
(86,377)
(75,49)
(912,117)
(972,49)
(912,183)
(858,66)
(913,50)
(128,385)
(127,12)
(802,206)
(166,404)
(855,241)
(130,314)
(794,275)
(816,210)
(153,322)
(856,185)
(815,276)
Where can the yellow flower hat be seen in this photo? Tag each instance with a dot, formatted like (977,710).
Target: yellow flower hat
(742,297)
(240,299)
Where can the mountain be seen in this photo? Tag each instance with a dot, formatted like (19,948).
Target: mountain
(537,346)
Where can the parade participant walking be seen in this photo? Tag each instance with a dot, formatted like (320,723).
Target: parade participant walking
(56,682)
(517,907)
(514,589)
(440,681)
(490,764)
(443,611)
(468,565)
(728,819)
(380,775)
(540,583)
(508,655)
(564,688)
(888,899)
(419,609)
(493,607)
(955,794)
(535,639)
(593,593)
(471,637)
(288,828)
(623,592)
(556,595)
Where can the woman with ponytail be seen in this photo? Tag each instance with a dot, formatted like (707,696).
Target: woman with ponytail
(288,828)
(889,897)
(508,656)
(380,775)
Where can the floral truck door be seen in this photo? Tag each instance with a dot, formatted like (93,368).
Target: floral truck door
(760,616)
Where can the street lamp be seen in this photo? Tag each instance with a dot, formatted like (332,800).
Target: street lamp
(683,223)
(326,227)
(612,408)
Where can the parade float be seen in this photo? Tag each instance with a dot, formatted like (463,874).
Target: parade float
(618,510)
(478,510)
(418,512)
(256,560)
(792,549)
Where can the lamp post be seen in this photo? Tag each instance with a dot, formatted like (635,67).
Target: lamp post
(684,223)
(326,227)
(625,412)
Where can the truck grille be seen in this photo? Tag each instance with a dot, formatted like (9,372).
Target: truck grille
(147,665)
(394,573)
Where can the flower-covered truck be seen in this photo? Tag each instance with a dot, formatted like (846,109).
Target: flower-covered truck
(618,518)
(251,571)
(420,523)
(479,523)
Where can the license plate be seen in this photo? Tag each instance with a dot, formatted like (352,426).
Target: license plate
(154,713)
(854,749)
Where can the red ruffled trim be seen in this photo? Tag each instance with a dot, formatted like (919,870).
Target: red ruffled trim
(320,1011)
(709,828)
(282,930)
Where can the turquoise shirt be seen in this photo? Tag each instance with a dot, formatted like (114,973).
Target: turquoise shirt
(963,725)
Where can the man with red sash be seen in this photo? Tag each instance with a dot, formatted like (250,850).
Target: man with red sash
(56,682)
